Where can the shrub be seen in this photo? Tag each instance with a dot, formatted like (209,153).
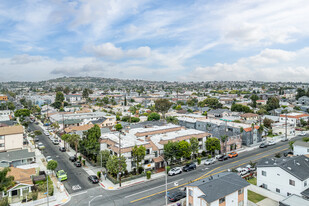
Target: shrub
(34,195)
(209,156)
(84,162)
(204,154)
(148,173)
(80,158)
(126,173)
(198,161)
(99,174)
(140,170)
(134,171)
(168,168)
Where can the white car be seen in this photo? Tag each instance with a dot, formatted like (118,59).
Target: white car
(55,141)
(210,161)
(48,158)
(271,142)
(244,171)
(175,171)
(302,134)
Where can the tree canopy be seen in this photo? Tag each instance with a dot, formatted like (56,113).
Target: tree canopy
(153,116)
(5,181)
(212,144)
(241,108)
(210,102)
(22,113)
(112,165)
(90,145)
(138,154)
(162,105)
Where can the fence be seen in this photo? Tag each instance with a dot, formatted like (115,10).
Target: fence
(266,193)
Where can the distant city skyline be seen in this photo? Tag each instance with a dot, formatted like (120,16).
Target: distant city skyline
(155,40)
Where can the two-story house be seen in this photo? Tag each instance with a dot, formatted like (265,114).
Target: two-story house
(11,138)
(224,189)
(293,118)
(286,176)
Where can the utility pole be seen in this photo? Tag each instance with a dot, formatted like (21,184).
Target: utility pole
(119,159)
(47,190)
(286,125)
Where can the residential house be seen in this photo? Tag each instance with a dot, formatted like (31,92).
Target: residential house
(11,138)
(304,100)
(218,190)
(73,98)
(281,128)
(250,116)
(16,158)
(286,175)
(3,98)
(218,113)
(300,147)
(23,186)
(294,200)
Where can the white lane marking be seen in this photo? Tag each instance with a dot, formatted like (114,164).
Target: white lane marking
(154,188)
(76,187)
(79,193)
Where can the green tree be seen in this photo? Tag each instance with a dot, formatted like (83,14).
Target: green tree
(85,93)
(267,123)
(185,149)
(37,132)
(138,154)
(162,105)
(212,144)
(272,103)
(118,127)
(178,107)
(66,90)
(6,181)
(171,151)
(300,93)
(10,106)
(112,165)
(224,139)
(171,119)
(90,145)
(133,110)
(306,139)
(105,155)
(59,97)
(262,111)
(153,116)
(210,102)
(194,145)
(241,108)
(52,165)
(22,113)
(65,138)
(291,147)
(254,97)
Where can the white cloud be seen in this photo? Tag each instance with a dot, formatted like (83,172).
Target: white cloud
(25,59)
(111,51)
(269,64)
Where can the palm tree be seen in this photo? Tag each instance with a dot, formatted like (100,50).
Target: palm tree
(65,137)
(74,139)
(6,181)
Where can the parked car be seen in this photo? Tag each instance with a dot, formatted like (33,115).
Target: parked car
(210,161)
(48,158)
(78,164)
(271,142)
(188,167)
(40,146)
(62,149)
(250,168)
(55,141)
(62,175)
(36,139)
(284,139)
(263,145)
(73,158)
(223,157)
(175,171)
(94,179)
(302,133)
(177,196)
(244,171)
(233,154)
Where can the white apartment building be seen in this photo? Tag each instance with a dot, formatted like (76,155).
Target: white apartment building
(286,176)
(219,190)
(11,138)
(293,118)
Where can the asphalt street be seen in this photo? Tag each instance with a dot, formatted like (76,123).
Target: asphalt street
(153,192)
(77,177)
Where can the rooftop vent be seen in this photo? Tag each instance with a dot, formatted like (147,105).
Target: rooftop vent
(266,162)
(289,168)
(297,163)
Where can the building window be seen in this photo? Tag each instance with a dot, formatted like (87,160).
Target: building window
(1,137)
(292,182)
(221,200)
(147,151)
(156,153)
(190,192)
(263,173)
(277,190)
(240,191)
(288,194)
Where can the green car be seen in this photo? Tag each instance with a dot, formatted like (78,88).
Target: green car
(62,175)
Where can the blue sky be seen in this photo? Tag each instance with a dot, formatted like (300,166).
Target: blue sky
(176,40)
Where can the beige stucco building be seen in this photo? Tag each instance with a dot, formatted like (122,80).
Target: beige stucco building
(11,138)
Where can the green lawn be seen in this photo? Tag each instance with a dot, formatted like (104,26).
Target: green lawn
(252,181)
(254,197)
